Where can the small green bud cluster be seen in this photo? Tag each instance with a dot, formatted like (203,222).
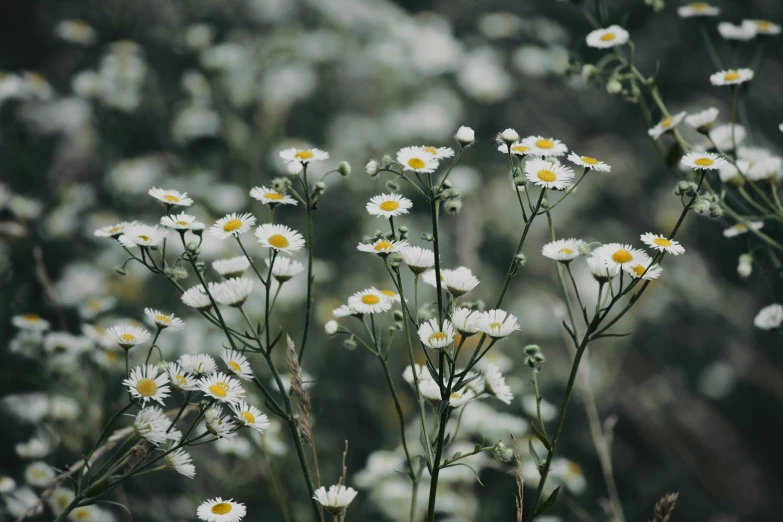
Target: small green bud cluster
(533,357)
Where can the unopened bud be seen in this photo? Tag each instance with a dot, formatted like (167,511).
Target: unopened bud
(453,206)
(520,259)
(614,87)
(350,343)
(294,168)
(509,136)
(386,161)
(344,168)
(392,186)
(716,211)
(398,315)
(745,266)
(331,327)
(465,136)
(701,206)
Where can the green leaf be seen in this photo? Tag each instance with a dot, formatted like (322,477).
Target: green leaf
(540,436)
(535,456)
(442,406)
(96,490)
(111,502)
(548,502)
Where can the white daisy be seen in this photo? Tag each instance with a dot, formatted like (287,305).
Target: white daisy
(421,372)
(96,306)
(127,336)
(731,174)
(391,294)
(382,246)
(219,510)
(146,384)
(30,322)
(766,169)
(232,225)
(60,499)
(388,205)
(418,259)
(344,311)
(741,228)
(8,484)
(763,27)
(75,31)
(233,292)
(753,154)
(336,499)
(665,125)
(200,364)
(697,9)
(433,335)
(113,230)
(369,301)
(644,269)
(218,424)
(704,120)
(461,397)
(284,268)
(742,32)
(465,136)
(466,321)
(151,424)
(196,297)
(237,364)
(250,416)
(460,281)
(39,474)
(769,318)
(303,155)
(731,77)
(222,387)
(280,237)
(618,254)
(180,379)
(429,276)
(181,222)
(162,320)
(138,235)
(662,244)
(611,36)
(589,162)
(703,161)
(171,197)
(417,159)
(439,153)
(181,462)
(271,196)
(495,384)
(517,148)
(548,175)
(724,136)
(232,267)
(498,323)
(563,250)
(541,146)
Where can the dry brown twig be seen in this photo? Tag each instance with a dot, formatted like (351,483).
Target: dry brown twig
(43,278)
(520,481)
(664,507)
(304,420)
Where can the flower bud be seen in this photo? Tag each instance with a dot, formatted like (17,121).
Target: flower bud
(372,168)
(320,187)
(349,344)
(520,259)
(281,184)
(453,206)
(701,206)
(509,136)
(502,453)
(465,136)
(614,87)
(392,186)
(745,266)
(331,327)
(403,229)
(192,248)
(716,211)
(344,168)
(201,266)
(294,168)
(398,315)
(589,72)
(447,184)
(386,161)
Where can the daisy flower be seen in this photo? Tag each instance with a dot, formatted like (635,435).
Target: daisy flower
(146,384)
(162,320)
(200,364)
(439,153)
(764,27)
(280,237)
(662,244)
(697,9)
(731,77)
(460,281)
(113,230)
(704,120)
(151,424)
(495,384)
(644,269)
(724,136)
(181,222)
(589,162)
(466,321)
(498,323)
(181,462)
(547,175)
(563,250)
(765,169)
(418,259)
(138,235)
(769,318)
(465,136)
(743,32)
(370,301)
(665,125)
(180,379)
(58,500)
(618,255)
(31,322)
(389,205)
(233,292)
(382,246)
(127,336)
(232,225)
(741,228)
(196,297)
(232,267)
(517,148)
(250,416)
(237,364)
(39,474)
(541,146)
(509,136)
(8,484)
(75,31)
(303,155)
(343,311)
(461,397)
(171,197)
(611,36)
(394,296)
(417,159)
(433,336)
(703,161)
(336,499)
(284,268)
(218,424)
(271,196)
(219,510)
(222,387)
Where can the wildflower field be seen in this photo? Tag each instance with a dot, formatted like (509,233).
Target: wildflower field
(350,260)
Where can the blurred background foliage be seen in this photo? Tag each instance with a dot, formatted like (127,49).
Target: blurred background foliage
(695,392)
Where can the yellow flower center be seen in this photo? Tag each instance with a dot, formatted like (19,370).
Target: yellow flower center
(247,417)
(389,293)
(638,270)
(416,163)
(180,380)
(234,366)
(221,509)
(127,338)
(170,198)
(114,230)
(662,242)
(32,318)
(495,326)
(622,256)
(700,6)
(278,241)
(589,160)
(146,387)
(731,76)
(545,144)
(389,206)
(82,514)
(740,226)
(111,356)
(219,388)
(574,468)
(704,162)
(370,299)
(565,250)
(520,148)
(273,195)
(304,154)
(144,238)
(608,37)
(763,25)
(431,150)
(455,395)
(437,336)
(383,245)
(232,225)
(162,319)
(667,122)
(183,223)
(62,502)
(547,175)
